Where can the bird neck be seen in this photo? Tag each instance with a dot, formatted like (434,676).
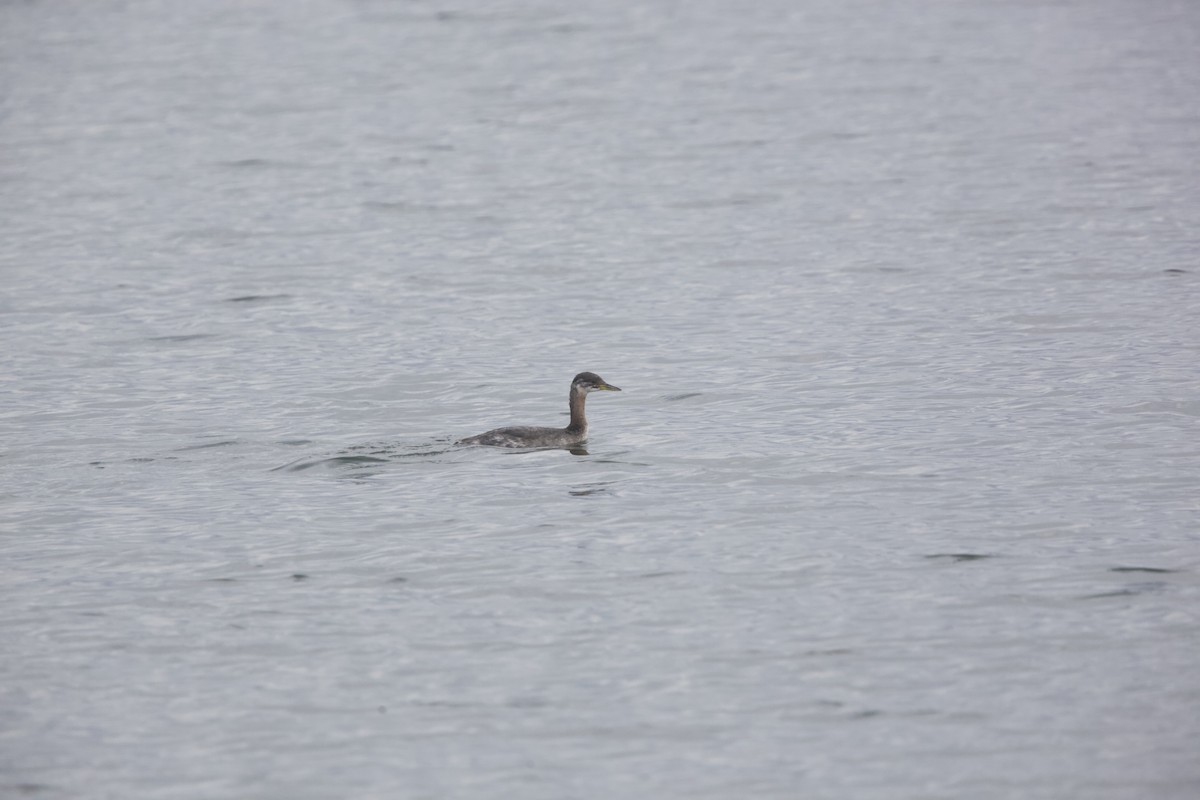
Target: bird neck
(578,420)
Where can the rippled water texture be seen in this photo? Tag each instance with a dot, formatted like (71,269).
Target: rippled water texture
(899,499)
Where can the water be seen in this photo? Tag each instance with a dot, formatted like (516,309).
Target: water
(900,499)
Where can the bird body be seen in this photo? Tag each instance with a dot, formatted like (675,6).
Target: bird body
(531,436)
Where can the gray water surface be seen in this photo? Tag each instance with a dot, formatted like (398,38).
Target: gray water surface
(899,500)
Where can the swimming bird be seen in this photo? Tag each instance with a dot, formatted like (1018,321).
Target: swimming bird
(528,436)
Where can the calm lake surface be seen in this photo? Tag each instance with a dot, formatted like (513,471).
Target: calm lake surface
(901,498)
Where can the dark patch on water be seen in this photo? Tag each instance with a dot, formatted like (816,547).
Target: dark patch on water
(299,576)
(956,557)
(362,457)
(262,163)
(867,714)
(684,396)
(225,443)
(435,451)
(257,298)
(183,337)
(1142,569)
(1102,595)
(1128,591)
(335,461)
(589,489)
(1175,271)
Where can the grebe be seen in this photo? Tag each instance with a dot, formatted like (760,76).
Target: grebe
(527,436)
